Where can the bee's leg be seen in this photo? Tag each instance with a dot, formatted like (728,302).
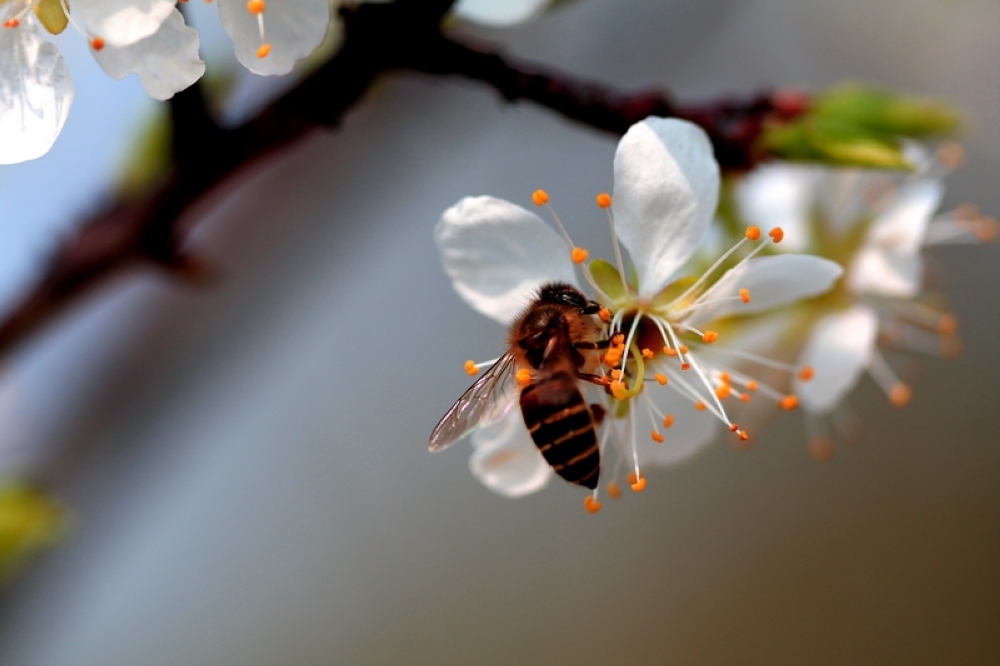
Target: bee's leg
(591,308)
(600,344)
(594,379)
(597,412)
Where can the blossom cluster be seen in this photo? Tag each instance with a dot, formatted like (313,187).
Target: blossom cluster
(151,39)
(691,333)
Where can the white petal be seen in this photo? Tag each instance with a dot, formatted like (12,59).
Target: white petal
(293,28)
(839,348)
(122,22)
(499,13)
(691,432)
(498,254)
(772,281)
(166,62)
(901,227)
(506,460)
(886,272)
(35,94)
(780,195)
(666,191)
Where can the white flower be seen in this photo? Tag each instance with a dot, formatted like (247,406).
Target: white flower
(874,223)
(499,13)
(145,37)
(666,185)
(269,38)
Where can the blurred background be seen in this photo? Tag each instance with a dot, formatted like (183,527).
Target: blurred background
(247,464)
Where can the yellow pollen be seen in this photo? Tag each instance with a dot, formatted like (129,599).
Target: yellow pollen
(789,402)
(523,376)
(723,392)
(821,448)
(603,200)
(540,197)
(579,255)
(900,394)
(776,234)
(470,367)
(657,437)
(639,485)
(256,7)
(647,352)
(753,233)
(669,351)
(591,504)
(806,373)
(613,356)
(604,314)
(745,295)
(710,337)
(661,378)
(614,490)
(97,43)
(700,406)
(947,325)
(264,50)
(616,374)
(751,385)
(618,390)
(668,420)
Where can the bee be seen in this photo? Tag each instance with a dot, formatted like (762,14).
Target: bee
(552,343)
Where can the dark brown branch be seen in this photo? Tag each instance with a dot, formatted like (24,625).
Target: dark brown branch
(152,228)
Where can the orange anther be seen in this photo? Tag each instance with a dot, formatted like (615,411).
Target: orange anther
(579,255)
(753,233)
(745,295)
(591,504)
(631,477)
(540,197)
(751,385)
(806,373)
(684,349)
(657,437)
(618,390)
(668,420)
(951,154)
(724,377)
(470,367)
(776,234)
(264,51)
(947,325)
(745,397)
(670,351)
(986,230)
(639,485)
(618,339)
(616,374)
(614,490)
(710,337)
(722,392)
(647,352)
(900,394)
(685,366)
(523,376)
(700,406)
(743,435)
(661,379)
(603,200)
(97,43)
(604,314)
(12,23)
(733,427)
(256,6)
(789,402)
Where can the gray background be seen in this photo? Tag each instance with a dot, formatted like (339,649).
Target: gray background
(248,464)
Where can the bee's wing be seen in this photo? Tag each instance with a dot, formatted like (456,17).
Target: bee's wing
(487,401)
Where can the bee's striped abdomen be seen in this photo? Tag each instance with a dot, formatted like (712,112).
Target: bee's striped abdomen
(560,423)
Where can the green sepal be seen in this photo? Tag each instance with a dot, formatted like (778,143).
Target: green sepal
(886,113)
(673,290)
(608,279)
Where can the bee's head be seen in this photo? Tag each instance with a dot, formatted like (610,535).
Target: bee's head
(560,293)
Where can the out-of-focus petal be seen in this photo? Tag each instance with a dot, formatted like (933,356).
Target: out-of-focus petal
(691,431)
(780,195)
(506,460)
(498,254)
(886,272)
(293,28)
(666,190)
(772,282)
(838,350)
(499,13)
(901,227)
(166,62)
(35,94)
(122,22)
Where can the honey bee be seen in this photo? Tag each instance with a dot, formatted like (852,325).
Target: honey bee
(548,346)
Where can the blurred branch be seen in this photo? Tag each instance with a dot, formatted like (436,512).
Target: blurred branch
(152,228)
